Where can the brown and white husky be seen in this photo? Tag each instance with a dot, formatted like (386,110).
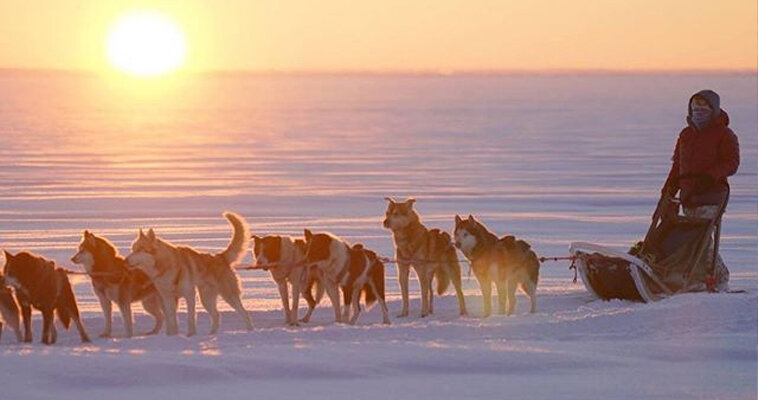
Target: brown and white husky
(114,282)
(506,262)
(351,269)
(177,270)
(284,258)
(40,284)
(429,251)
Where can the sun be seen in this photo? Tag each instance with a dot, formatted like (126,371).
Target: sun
(146,44)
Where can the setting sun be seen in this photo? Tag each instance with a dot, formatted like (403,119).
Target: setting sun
(146,44)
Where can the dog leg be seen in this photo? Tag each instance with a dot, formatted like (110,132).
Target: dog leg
(308,296)
(284,295)
(333,292)
(354,303)
(403,271)
(425,282)
(382,303)
(105,304)
(347,298)
(500,285)
(511,289)
(530,289)
(169,308)
(47,322)
(152,305)
(53,332)
(191,313)
(455,276)
(295,301)
(485,285)
(236,303)
(209,298)
(26,314)
(431,295)
(126,315)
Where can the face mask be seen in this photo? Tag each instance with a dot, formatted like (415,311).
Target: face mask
(700,114)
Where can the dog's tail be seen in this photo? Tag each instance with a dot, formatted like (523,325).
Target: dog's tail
(533,265)
(66,304)
(377,278)
(239,243)
(451,266)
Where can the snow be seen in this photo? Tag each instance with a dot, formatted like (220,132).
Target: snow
(550,159)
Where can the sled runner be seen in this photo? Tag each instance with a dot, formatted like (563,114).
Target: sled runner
(673,258)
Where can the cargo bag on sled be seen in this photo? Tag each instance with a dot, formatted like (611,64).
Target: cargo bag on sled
(673,258)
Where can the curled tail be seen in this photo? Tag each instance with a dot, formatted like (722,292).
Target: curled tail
(239,243)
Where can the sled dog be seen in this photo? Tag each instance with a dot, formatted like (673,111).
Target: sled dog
(429,251)
(352,269)
(506,262)
(39,283)
(9,310)
(177,270)
(114,282)
(285,257)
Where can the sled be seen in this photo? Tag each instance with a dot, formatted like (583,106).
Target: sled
(670,260)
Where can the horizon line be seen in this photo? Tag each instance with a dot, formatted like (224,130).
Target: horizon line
(412,72)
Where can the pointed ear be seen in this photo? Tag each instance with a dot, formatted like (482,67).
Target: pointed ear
(471,218)
(458,220)
(141,234)
(86,233)
(390,199)
(151,234)
(7,255)
(411,201)
(307,234)
(89,238)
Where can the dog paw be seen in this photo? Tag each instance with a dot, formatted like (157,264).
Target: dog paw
(105,335)
(402,314)
(305,320)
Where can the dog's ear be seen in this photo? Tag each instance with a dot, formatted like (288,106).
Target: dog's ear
(410,201)
(390,199)
(141,234)
(458,220)
(307,235)
(7,255)
(471,218)
(255,238)
(151,234)
(89,238)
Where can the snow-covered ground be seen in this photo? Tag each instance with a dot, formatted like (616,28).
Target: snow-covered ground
(550,159)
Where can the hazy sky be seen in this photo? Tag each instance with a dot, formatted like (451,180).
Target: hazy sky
(391,35)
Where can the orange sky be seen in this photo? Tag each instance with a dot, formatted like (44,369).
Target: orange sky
(394,35)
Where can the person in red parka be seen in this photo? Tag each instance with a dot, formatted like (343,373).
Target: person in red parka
(706,154)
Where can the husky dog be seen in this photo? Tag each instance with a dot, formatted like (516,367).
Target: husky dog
(9,310)
(350,268)
(37,282)
(285,257)
(430,252)
(365,275)
(177,270)
(506,262)
(113,281)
